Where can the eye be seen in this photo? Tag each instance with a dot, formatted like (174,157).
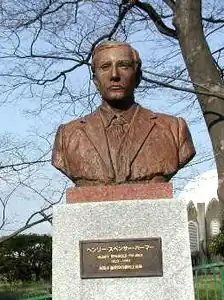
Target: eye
(105,67)
(125,65)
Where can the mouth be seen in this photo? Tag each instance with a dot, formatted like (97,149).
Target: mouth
(116,88)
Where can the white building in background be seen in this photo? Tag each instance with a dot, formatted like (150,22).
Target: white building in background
(203,209)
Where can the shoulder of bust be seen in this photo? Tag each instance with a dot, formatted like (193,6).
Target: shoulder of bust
(160,117)
(166,117)
(80,122)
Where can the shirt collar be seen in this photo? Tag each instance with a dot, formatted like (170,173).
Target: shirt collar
(107,114)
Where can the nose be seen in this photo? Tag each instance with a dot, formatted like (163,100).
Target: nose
(115,74)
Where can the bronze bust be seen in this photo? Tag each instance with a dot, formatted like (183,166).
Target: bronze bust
(121,142)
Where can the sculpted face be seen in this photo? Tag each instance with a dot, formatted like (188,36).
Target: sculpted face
(115,73)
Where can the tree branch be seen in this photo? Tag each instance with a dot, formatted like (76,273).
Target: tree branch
(170,3)
(28,225)
(45,12)
(155,17)
(213,20)
(28,163)
(178,88)
(25,227)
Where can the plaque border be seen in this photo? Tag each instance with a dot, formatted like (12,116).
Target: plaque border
(159,273)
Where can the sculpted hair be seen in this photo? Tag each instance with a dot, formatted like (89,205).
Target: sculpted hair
(110,44)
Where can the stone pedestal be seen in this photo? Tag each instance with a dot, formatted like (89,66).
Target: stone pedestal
(164,218)
(152,191)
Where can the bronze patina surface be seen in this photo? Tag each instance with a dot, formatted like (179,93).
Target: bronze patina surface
(121,258)
(121,142)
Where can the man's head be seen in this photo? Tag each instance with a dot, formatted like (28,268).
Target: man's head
(116,71)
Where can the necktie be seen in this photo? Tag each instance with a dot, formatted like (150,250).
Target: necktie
(115,133)
(117,129)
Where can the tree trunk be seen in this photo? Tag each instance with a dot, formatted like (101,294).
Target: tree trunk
(204,75)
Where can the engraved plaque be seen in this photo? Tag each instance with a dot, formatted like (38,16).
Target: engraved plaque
(121,258)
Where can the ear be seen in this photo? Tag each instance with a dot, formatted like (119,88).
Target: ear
(95,81)
(138,78)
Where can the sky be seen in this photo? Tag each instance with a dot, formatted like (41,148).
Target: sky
(22,120)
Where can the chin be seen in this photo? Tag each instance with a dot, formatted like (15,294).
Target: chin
(116,97)
(120,103)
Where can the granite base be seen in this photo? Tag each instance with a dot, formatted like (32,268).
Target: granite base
(122,220)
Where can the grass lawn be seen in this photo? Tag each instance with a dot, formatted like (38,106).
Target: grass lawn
(20,290)
(206,288)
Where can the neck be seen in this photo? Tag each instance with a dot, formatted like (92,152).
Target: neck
(119,106)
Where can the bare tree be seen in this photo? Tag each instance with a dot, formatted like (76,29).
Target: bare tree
(24,179)
(205,72)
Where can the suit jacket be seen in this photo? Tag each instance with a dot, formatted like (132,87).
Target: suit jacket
(155,147)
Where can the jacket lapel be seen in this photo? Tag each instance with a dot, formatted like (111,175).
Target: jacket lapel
(96,134)
(141,125)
